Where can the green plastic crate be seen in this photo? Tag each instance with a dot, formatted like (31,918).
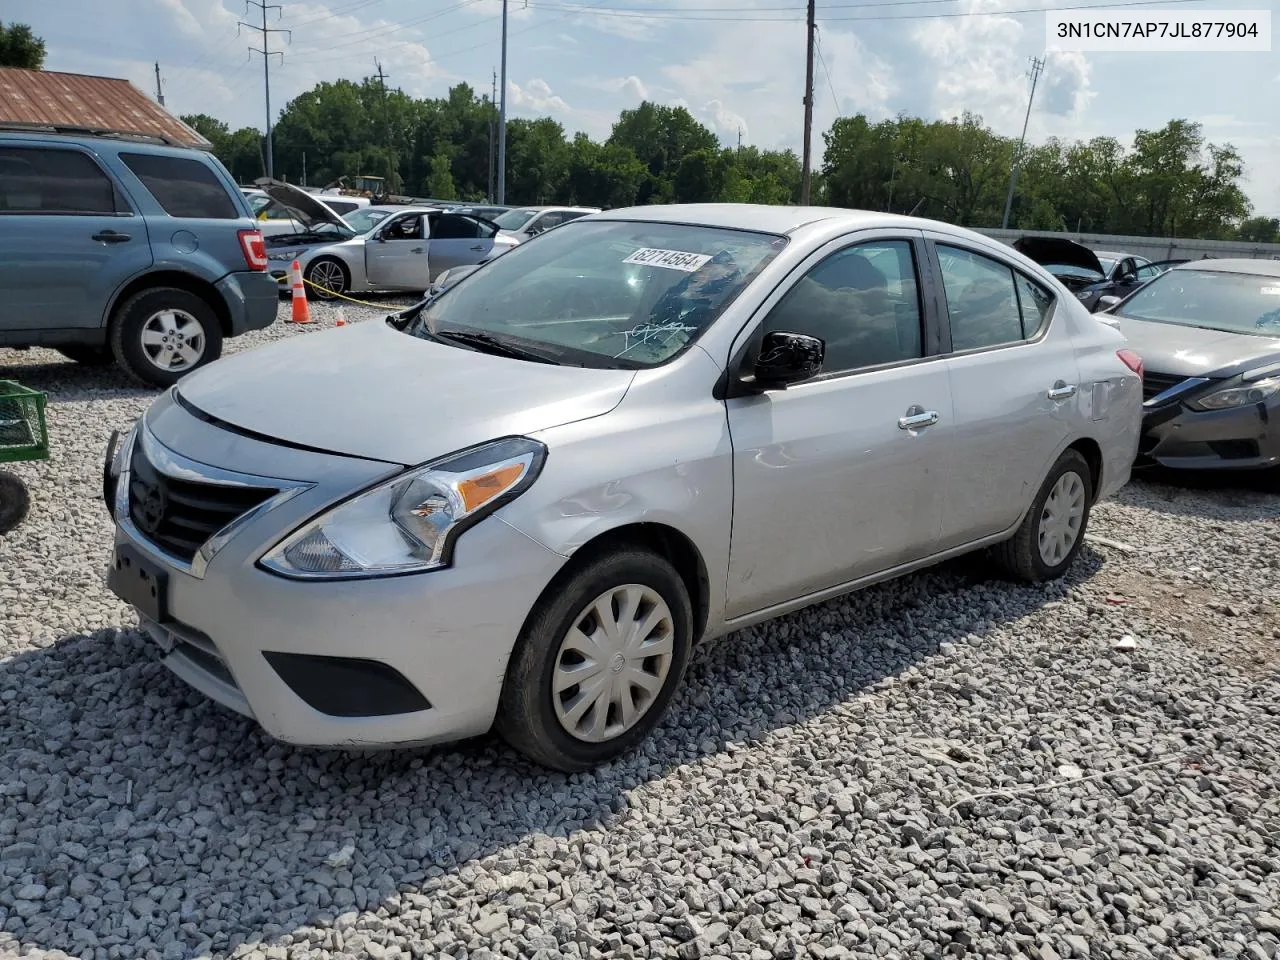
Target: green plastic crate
(23,433)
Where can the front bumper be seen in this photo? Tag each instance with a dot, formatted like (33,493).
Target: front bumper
(1182,438)
(252,300)
(301,657)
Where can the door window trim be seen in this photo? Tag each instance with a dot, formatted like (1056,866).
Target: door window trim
(932,241)
(747,339)
(119,197)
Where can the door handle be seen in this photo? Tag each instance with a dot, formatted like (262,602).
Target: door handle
(1062,391)
(478,247)
(925,418)
(418,250)
(110,236)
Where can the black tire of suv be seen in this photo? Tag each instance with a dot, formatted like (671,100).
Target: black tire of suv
(1019,556)
(88,356)
(15,501)
(126,333)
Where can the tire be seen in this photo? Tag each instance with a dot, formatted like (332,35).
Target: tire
(88,356)
(142,316)
(1022,556)
(321,271)
(528,717)
(15,501)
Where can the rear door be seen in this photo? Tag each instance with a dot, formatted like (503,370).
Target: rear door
(69,236)
(396,256)
(1014,388)
(458,240)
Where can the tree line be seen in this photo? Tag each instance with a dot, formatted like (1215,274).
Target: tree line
(1166,182)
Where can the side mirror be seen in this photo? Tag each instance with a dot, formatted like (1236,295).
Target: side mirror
(787,358)
(1105,303)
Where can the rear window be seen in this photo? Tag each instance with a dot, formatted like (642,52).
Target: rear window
(184,188)
(341,207)
(36,180)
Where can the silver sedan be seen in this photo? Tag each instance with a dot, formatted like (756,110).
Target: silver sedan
(391,248)
(521,504)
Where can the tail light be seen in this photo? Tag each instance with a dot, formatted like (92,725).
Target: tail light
(1132,361)
(254,249)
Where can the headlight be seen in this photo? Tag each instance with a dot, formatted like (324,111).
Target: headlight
(1239,396)
(118,450)
(1084,294)
(408,524)
(282,257)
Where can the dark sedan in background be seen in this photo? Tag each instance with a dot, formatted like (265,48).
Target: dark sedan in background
(1208,332)
(1088,274)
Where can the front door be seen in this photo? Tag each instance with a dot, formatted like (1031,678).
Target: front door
(396,256)
(840,477)
(68,239)
(1014,389)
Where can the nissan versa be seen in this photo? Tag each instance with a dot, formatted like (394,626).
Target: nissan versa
(520,504)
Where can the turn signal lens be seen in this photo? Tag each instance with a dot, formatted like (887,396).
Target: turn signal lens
(477,491)
(1132,361)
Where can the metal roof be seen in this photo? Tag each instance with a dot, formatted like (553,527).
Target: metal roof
(76,103)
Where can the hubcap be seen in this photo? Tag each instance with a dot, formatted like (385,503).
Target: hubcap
(612,663)
(1061,519)
(173,340)
(328,275)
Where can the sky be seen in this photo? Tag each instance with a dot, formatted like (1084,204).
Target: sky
(738,65)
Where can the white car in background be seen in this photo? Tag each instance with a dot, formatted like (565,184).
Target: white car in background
(381,248)
(522,223)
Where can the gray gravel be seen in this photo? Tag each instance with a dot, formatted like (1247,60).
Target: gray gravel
(889,775)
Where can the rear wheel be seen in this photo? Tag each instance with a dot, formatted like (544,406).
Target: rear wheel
(1052,532)
(14,501)
(598,661)
(161,335)
(87,355)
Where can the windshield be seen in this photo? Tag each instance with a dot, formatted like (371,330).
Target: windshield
(1073,272)
(1233,302)
(362,221)
(606,294)
(514,219)
(257,201)
(1108,264)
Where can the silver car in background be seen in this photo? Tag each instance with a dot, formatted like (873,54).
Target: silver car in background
(391,248)
(524,223)
(521,504)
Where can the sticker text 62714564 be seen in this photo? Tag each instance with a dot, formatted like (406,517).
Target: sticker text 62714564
(671,259)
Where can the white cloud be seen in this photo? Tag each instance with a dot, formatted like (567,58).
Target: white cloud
(536,96)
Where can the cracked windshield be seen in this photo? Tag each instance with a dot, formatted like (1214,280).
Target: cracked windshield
(608,294)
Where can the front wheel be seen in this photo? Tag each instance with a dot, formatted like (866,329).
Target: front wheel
(598,661)
(1052,532)
(326,279)
(15,501)
(160,335)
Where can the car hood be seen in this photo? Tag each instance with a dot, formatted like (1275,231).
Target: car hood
(1193,351)
(309,210)
(1047,251)
(374,392)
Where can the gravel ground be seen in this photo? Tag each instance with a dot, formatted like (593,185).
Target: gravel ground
(941,767)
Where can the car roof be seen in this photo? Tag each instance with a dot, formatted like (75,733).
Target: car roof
(767,218)
(398,208)
(1259,268)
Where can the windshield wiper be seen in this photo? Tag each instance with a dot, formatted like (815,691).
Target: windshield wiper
(488,343)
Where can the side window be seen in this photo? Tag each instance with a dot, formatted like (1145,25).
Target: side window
(981,301)
(573,215)
(405,228)
(863,302)
(1148,272)
(1034,301)
(35,180)
(454,227)
(184,188)
(546,222)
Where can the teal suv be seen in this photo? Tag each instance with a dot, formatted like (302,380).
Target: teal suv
(119,249)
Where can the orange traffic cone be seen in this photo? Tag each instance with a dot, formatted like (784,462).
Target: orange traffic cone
(342,317)
(301,309)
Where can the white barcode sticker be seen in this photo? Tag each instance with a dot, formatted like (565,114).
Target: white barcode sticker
(671,259)
(1271,291)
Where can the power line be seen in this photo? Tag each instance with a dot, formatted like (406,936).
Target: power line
(374,33)
(637,13)
(267,54)
(830,86)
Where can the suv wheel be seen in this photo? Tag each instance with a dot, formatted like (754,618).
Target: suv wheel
(160,335)
(86,355)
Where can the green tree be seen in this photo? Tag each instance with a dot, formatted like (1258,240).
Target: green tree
(440,183)
(660,137)
(19,47)
(1260,230)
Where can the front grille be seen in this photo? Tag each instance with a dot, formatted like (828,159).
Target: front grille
(1154,384)
(180,515)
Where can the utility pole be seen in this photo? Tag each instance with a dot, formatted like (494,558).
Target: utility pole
(1037,65)
(382,77)
(811,30)
(304,168)
(159,88)
(739,138)
(502,116)
(493,102)
(267,54)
